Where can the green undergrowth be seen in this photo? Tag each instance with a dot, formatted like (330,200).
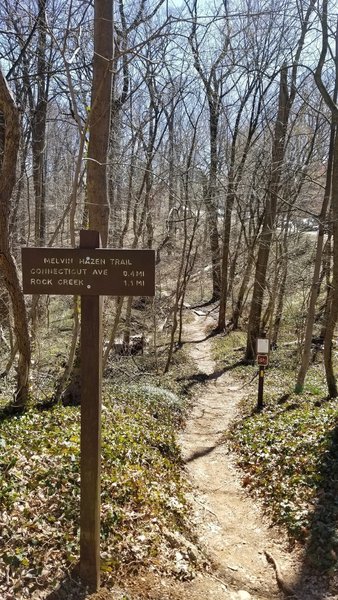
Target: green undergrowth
(289,451)
(142,487)
(289,455)
(228,352)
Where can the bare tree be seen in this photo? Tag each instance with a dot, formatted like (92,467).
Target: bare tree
(286,97)
(322,219)
(331,102)
(213,78)
(10,136)
(254,92)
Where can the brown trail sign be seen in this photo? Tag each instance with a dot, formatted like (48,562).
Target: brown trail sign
(91,272)
(88,271)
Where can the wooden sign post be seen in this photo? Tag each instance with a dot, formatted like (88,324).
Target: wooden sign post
(91,272)
(262,352)
(260,402)
(91,400)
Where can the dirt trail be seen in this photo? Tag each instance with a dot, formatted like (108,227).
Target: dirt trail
(231,525)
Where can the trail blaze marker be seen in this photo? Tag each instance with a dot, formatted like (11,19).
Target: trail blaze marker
(91,272)
(263,360)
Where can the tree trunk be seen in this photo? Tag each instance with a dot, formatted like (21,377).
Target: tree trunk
(316,278)
(213,82)
(242,290)
(326,275)
(39,131)
(171,178)
(234,264)
(7,265)
(186,261)
(119,305)
(333,314)
(332,104)
(225,257)
(234,178)
(269,216)
(100,117)
(209,200)
(280,304)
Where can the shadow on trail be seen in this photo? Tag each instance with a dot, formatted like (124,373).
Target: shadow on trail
(212,334)
(203,452)
(198,378)
(321,551)
(205,304)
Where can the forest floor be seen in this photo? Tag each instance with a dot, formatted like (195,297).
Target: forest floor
(234,539)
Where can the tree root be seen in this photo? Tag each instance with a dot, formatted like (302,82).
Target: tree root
(283,586)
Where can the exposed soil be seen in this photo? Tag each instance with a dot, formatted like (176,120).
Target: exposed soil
(231,525)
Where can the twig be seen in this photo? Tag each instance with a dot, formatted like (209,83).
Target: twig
(206,508)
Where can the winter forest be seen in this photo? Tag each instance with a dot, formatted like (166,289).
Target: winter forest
(217,150)
(204,130)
